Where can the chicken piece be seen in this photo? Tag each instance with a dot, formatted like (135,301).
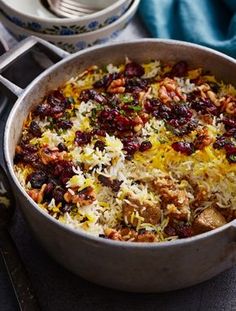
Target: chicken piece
(200,195)
(127,234)
(112,234)
(203,139)
(146,237)
(50,155)
(175,200)
(84,197)
(208,220)
(37,194)
(123,234)
(136,212)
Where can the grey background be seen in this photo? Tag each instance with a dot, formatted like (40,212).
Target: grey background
(58,289)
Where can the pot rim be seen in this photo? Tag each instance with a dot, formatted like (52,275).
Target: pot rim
(80,233)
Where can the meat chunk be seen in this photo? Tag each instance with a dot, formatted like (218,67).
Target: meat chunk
(146,237)
(136,212)
(112,234)
(127,234)
(37,194)
(50,155)
(208,220)
(174,200)
(84,197)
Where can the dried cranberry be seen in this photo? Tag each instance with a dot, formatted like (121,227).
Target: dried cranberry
(112,121)
(170,231)
(145,145)
(184,231)
(133,69)
(100,145)
(180,115)
(37,179)
(34,128)
(123,123)
(183,129)
(28,154)
(182,111)
(116,185)
(107,115)
(62,147)
(28,148)
(30,158)
(42,110)
(99,132)
(106,80)
(163,112)
(108,182)
(57,102)
(179,69)
(178,122)
(220,142)
(25,139)
(183,147)
(82,138)
(66,208)
(64,170)
(136,84)
(229,123)
(230,133)
(58,194)
(48,191)
(151,105)
(130,145)
(94,95)
(230,148)
(64,124)
(204,106)
(105,181)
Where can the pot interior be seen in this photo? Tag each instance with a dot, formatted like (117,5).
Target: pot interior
(221,66)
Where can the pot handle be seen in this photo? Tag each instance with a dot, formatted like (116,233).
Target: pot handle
(20,49)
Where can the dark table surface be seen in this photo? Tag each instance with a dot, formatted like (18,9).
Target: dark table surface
(58,289)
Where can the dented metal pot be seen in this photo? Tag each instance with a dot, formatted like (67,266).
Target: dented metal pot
(136,267)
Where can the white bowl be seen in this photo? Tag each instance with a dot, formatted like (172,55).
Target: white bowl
(77,42)
(38,19)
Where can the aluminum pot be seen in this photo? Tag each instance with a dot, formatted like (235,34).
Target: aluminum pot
(136,267)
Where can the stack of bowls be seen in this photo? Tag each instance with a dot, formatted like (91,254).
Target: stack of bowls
(26,17)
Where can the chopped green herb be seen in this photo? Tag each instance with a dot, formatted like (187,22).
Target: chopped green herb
(126,98)
(70,100)
(135,108)
(93,113)
(232,158)
(122,112)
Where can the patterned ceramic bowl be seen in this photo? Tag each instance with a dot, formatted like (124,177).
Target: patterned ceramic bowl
(77,42)
(38,19)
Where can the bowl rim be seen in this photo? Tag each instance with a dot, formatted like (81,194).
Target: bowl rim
(66,20)
(132,7)
(82,234)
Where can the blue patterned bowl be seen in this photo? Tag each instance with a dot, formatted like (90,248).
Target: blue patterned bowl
(38,19)
(77,42)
